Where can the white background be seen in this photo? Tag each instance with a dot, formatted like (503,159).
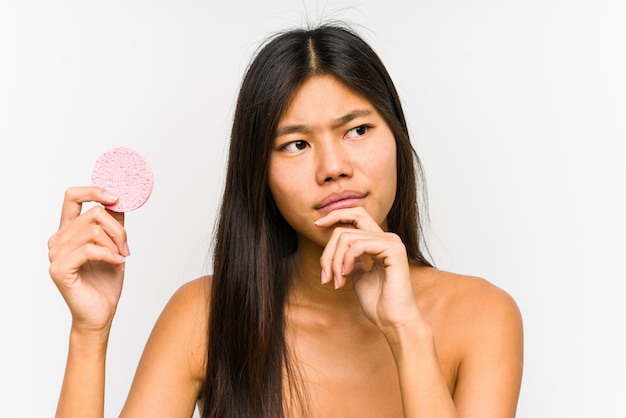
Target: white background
(517,108)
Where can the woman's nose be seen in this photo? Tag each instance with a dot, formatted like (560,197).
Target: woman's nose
(333,162)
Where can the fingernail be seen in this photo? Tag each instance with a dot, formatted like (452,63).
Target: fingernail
(126,249)
(110,195)
(324,280)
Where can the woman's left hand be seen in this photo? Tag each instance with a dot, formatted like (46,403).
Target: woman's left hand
(376,262)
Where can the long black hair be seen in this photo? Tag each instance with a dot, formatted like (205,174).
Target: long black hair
(247,356)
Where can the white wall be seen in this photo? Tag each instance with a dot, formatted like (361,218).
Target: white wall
(518,110)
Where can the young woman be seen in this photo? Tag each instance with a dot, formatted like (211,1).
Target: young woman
(322,302)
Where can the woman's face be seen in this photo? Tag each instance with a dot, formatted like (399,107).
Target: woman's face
(332,150)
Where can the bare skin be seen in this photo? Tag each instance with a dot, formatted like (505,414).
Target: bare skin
(360,379)
(371,333)
(346,362)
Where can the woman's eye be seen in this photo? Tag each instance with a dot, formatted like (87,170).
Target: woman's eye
(294,146)
(358,131)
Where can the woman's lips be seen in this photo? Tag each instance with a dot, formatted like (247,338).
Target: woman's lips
(340,200)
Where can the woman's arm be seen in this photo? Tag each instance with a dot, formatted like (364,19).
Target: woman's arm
(377,264)
(488,344)
(172,367)
(87,256)
(490,373)
(486,326)
(169,376)
(422,383)
(82,393)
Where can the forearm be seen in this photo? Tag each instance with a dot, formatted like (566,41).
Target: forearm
(422,383)
(82,393)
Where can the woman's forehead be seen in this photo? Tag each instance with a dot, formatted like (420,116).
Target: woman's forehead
(325,99)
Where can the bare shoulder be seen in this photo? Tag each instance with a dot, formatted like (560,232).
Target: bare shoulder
(193,293)
(171,370)
(482,312)
(187,309)
(479,336)
(469,298)
(186,313)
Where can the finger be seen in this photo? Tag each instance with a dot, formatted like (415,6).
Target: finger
(343,242)
(76,196)
(62,269)
(118,216)
(89,227)
(96,253)
(364,249)
(363,252)
(328,255)
(350,250)
(112,224)
(334,255)
(356,216)
(91,234)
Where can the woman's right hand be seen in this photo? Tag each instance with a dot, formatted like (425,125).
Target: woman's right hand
(87,258)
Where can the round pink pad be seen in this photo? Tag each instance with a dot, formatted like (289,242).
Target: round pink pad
(126,173)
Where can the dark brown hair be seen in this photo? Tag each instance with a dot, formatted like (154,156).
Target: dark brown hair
(247,353)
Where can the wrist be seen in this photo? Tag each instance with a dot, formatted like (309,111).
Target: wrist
(410,335)
(89,338)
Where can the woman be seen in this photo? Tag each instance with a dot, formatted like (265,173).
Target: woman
(322,302)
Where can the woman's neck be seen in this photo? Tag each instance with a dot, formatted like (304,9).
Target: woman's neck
(306,288)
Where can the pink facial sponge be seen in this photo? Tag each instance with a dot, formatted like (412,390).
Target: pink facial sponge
(126,173)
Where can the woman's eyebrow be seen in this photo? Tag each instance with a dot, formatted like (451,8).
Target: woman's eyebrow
(344,120)
(291,129)
(337,123)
